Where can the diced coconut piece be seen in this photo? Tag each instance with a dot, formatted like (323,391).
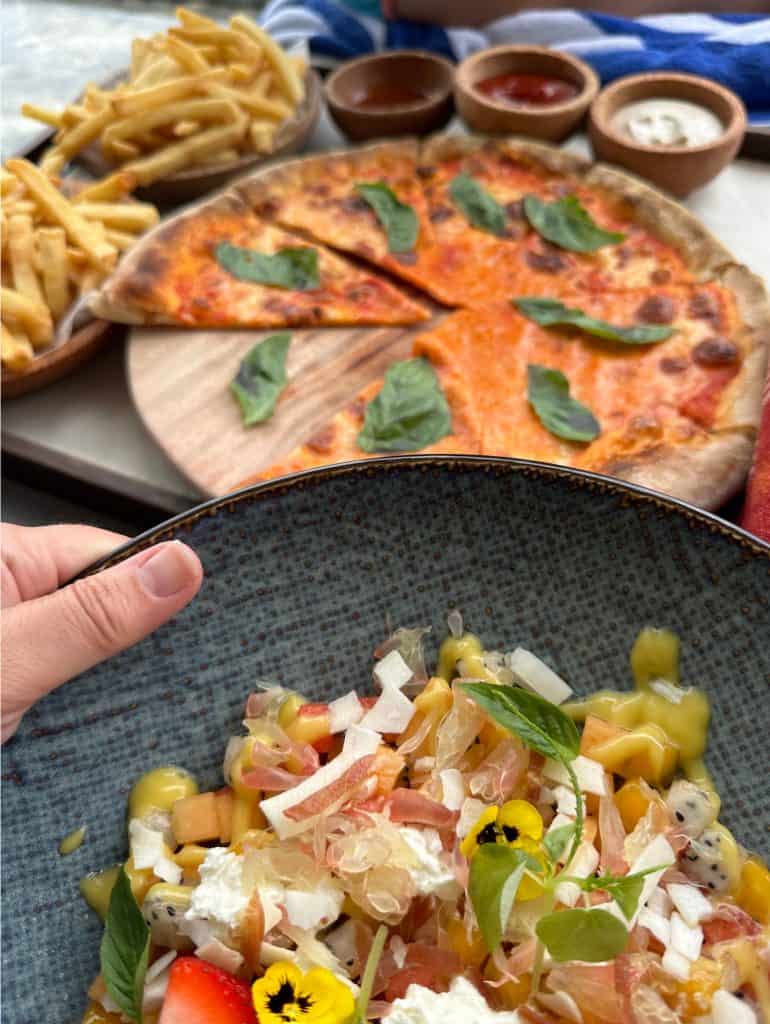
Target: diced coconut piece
(535,675)
(676,965)
(392,713)
(149,850)
(168,870)
(546,796)
(156,982)
(470,812)
(566,801)
(393,671)
(584,864)
(691,903)
(660,902)
(359,743)
(658,853)
(729,1009)
(452,788)
(313,910)
(344,712)
(684,939)
(399,951)
(562,1004)
(220,955)
(590,774)
(656,924)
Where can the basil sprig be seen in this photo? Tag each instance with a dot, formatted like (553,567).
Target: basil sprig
(261,378)
(410,412)
(549,395)
(125,949)
(566,223)
(495,875)
(551,313)
(295,268)
(367,980)
(588,935)
(477,205)
(399,220)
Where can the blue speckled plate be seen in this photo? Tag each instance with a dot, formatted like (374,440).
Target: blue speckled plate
(301,576)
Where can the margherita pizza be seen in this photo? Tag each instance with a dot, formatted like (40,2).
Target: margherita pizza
(596,323)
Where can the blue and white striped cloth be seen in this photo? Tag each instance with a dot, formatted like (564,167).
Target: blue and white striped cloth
(733,49)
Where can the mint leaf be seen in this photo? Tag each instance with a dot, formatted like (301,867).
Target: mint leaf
(566,223)
(261,378)
(409,413)
(293,268)
(588,935)
(398,219)
(560,414)
(125,949)
(551,313)
(478,207)
(495,875)
(543,726)
(556,841)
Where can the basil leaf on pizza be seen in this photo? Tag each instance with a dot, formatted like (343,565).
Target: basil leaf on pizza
(551,313)
(560,414)
(398,219)
(478,206)
(566,223)
(294,267)
(410,411)
(261,378)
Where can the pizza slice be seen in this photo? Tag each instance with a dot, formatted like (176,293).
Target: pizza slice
(219,265)
(504,213)
(366,201)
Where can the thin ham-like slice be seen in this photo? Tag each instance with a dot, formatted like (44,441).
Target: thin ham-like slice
(270,780)
(521,961)
(613,836)
(345,785)
(411,805)
(728,922)
(592,986)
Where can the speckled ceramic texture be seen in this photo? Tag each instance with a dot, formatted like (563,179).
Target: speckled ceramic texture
(301,578)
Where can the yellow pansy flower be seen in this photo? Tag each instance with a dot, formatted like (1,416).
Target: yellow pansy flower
(516,824)
(284,995)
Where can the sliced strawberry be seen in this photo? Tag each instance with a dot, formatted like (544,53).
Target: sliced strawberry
(199,993)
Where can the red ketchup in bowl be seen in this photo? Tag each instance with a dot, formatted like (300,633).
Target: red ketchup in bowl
(527,90)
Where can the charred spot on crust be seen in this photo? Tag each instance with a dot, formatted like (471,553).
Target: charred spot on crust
(547,260)
(673,364)
(660,276)
(441,213)
(357,408)
(704,306)
(656,309)
(425,171)
(515,209)
(267,207)
(715,351)
(355,204)
(322,441)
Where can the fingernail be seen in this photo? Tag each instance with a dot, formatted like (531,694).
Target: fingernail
(172,569)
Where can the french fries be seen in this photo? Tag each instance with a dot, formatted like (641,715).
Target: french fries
(54,248)
(194,92)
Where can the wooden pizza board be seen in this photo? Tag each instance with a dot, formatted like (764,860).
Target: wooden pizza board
(179,383)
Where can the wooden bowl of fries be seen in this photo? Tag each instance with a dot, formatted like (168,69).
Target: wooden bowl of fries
(198,105)
(56,248)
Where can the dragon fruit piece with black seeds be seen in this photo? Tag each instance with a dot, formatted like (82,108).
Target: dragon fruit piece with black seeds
(693,809)
(707,861)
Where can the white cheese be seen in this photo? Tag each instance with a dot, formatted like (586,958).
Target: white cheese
(359,743)
(344,712)
(684,939)
(149,850)
(314,910)
(220,896)
(691,903)
(535,675)
(462,1004)
(429,873)
(391,714)
(590,774)
(452,788)
(393,671)
(675,964)
(729,1009)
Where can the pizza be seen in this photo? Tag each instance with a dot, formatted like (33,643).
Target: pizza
(210,267)
(578,316)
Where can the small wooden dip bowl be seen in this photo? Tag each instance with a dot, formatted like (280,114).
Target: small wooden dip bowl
(424,72)
(679,169)
(552,122)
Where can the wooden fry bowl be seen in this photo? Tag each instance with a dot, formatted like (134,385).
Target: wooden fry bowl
(679,169)
(553,122)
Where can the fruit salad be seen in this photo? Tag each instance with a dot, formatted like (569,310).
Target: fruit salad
(475,845)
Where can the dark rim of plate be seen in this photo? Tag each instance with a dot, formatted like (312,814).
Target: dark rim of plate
(498,466)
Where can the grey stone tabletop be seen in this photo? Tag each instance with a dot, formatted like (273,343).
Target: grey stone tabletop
(86,425)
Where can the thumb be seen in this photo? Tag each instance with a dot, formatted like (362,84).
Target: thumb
(54,638)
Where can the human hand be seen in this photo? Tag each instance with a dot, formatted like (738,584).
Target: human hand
(50,635)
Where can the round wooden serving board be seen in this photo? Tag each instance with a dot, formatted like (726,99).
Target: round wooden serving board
(179,381)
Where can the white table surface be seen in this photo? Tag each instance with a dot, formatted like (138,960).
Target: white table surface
(86,425)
